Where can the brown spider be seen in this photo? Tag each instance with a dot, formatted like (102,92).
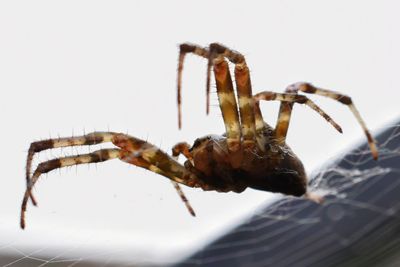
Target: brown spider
(250,154)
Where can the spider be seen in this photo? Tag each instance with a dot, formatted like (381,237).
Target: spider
(250,153)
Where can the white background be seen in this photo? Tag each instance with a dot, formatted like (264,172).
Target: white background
(69,67)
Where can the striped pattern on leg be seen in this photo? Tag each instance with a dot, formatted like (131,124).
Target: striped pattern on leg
(246,104)
(227,102)
(282,124)
(344,99)
(88,139)
(154,159)
(47,166)
(269,96)
(235,128)
(244,92)
(260,126)
(285,113)
(138,160)
(183,198)
(182,148)
(202,52)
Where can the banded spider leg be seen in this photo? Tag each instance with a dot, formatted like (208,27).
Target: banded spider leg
(130,149)
(286,110)
(244,125)
(239,122)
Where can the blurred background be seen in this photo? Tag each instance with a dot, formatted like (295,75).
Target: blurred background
(72,67)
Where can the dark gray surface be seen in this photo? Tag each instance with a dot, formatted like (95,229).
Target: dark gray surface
(358,225)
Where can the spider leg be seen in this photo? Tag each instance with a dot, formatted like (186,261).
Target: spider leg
(227,103)
(202,52)
(294,98)
(47,166)
(234,127)
(243,86)
(282,123)
(182,148)
(260,126)
(150,157)
(344,99)
(132,150)
(88,139)
(225,92)
(154,159)
(151,153)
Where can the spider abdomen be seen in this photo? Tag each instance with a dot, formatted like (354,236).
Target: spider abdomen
(279,171)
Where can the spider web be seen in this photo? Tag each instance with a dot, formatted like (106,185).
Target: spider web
(358,225)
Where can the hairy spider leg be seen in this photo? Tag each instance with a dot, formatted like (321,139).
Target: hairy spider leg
(183,198)
(153,156)
(132,150)
(47,166)
(88,139)
(235,128)
(260,126)
(244,92)
(202,52)
(294,98)
(344,99)
(183,148)
(225,92)
(160,162)
(227,103)
(282,123)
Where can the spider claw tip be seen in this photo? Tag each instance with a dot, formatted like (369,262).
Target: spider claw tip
(191,211)
(34,202)
(375,155)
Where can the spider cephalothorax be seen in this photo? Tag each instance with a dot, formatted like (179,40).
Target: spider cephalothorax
(250,153)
